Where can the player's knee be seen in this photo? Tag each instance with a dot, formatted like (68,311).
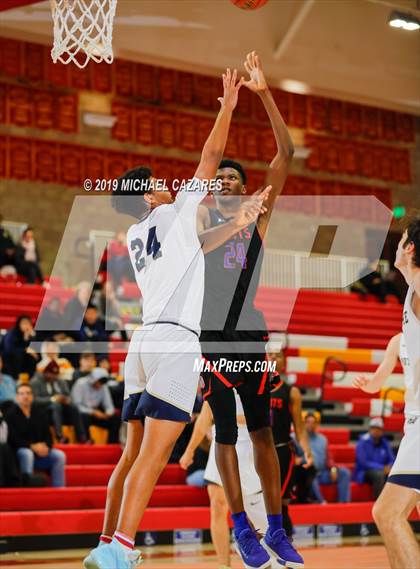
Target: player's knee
(262,438)
(381,514)
(218,506)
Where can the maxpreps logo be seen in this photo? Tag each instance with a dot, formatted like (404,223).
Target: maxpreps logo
(224,365)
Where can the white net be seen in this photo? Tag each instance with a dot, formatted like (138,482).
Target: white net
(83,31)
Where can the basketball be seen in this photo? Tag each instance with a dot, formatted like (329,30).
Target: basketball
(249,4)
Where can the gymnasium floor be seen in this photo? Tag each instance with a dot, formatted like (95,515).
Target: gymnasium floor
(202,557)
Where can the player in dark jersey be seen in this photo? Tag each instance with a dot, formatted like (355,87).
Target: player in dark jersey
(286,410)
(233,331)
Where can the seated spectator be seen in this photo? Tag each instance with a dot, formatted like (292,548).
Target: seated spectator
(327,471)
(50,351)
(110,308)
(93,328)
(54,393)
(18,357)
(375,283)
(30,438)
(8,471)
(51,322)
(7,248)
(118,259)
(75,308)
(92,396)
(116,388)
(87,362)
(374,457)
(7,386)
(28,259)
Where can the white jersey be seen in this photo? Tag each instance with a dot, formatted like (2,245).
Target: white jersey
(410,356)
(168,261)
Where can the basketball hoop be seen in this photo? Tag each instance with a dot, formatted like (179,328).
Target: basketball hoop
(82,31)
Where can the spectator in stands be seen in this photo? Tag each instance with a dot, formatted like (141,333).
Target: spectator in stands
(8,470)
(327,471)
(375,283)
(110,310)
(87,362)
(28,259)
(118,261)
(7,248)
(54,393)
(93,328)
(50,351)
(92,396)
(75,308)
(374,457)
(51,323)
(18,357)
(30,437)
(7,386)
(116,388)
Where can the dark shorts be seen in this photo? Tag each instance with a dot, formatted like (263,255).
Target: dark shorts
(131,408)
(286,455)
(240,369)
(408,480)
(141,405)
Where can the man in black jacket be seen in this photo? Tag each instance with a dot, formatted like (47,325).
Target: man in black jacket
(29,436)
(54,393)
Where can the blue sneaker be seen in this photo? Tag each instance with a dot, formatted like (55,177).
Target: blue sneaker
(89,560)
(112,556)
(252,554)
(277,544)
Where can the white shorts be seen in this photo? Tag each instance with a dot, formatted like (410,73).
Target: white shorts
(406,468)
(160,364)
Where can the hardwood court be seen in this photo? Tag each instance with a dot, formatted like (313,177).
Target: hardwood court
(185,557)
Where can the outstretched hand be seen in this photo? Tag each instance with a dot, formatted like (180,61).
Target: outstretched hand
(361,382)
(230,89)
(256,82)
(252,208)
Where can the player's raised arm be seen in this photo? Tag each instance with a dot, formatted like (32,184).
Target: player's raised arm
(374,383)
(212,238)
(279,166)
(214,146)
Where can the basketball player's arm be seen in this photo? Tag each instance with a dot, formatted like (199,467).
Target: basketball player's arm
(300,431)
(279,166)
(201,426)
(213,237)
(214,146)
(374,384)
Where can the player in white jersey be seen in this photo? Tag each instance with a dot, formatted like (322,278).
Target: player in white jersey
(160,381)
(250,482)
(401,493)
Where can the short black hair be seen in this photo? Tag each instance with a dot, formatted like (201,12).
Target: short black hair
(227,163)
(413,236)
(140,174)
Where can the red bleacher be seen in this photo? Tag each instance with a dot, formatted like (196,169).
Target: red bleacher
(33,511)
(369,324)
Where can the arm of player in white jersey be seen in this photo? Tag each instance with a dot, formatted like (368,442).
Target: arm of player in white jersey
(374,383)
(214,146)
(201,426)
(213,237)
